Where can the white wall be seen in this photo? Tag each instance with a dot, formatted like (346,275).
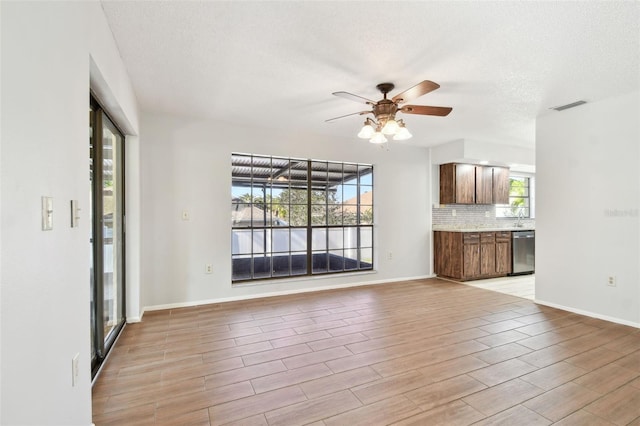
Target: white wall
(49,50)
(474,151)
(588,196)
(186,166)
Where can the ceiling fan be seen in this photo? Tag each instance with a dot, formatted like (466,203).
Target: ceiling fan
(385,110)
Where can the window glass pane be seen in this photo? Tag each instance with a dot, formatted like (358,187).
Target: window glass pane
(319,197)
(366,175)
(351,259)
(240,241)
(519,191)
(339,193)
(351,237)
(366,194)
(336,238)
(262,266)
(350,173)
(335,169)
(334,205)
(259,216)
(298,240)
(319,176)
(241,170)
(366,236)
(280,242)
(366,258)
(278,209)
(350,214)
(241,266)
(299,263)
(259,240)
(350,194)
(319,239)
(241,210)
(281,265)
(284,193)
(298,215)
(320,262)
(336,260)
(298,195)
(366,215)
(318,215)
(334,214)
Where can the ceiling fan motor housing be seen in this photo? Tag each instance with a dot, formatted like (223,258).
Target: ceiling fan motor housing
(384,110)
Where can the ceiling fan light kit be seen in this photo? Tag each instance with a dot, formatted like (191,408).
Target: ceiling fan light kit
(402,133)
(367,130)
(385,110)
(378,138)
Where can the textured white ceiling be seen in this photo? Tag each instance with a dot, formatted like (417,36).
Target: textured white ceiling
(275,64)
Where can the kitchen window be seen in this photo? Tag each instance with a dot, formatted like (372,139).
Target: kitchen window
(520,198)
(296,217)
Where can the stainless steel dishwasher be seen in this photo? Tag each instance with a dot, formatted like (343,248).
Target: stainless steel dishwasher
(523,252)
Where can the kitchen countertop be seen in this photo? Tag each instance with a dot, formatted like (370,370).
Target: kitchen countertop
(481,229)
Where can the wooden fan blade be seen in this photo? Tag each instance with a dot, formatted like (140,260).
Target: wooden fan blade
(347,115)
(426,110)
(354,98)
(415,92)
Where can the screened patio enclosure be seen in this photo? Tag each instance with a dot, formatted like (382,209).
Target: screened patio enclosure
(293,217)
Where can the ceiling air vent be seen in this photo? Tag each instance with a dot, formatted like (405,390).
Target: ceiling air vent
(567,106)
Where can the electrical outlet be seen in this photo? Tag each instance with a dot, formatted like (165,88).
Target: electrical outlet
(185,215)
(74,369)
(611,281)
(454,213)
(390,255)
(208,268)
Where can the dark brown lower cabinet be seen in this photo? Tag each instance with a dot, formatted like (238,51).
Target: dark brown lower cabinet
(472,255)
(503,252)
(487,253)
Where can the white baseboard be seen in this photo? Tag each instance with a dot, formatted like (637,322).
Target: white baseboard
(588,313)
(275,293)
(131,320)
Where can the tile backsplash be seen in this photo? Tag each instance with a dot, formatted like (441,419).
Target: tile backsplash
(472,216)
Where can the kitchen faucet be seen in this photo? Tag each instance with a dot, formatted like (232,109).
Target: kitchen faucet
(519,221)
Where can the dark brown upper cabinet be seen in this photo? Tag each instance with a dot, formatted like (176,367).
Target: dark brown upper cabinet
(500,185)
(484,185)
(473,184)
(457,184)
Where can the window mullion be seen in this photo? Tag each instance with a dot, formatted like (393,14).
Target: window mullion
(309,227)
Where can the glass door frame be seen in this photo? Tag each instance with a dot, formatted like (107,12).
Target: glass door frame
(100,346)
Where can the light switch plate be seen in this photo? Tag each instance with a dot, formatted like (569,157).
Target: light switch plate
(75,372)
(47,213)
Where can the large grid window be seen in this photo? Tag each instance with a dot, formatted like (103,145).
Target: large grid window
(520,195)
(293,217)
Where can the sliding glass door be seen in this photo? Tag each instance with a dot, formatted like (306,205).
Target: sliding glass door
(107,240)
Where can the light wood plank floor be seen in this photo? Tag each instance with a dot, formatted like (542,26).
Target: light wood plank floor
(420,352)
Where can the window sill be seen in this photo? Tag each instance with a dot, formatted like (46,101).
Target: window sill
(300,278)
